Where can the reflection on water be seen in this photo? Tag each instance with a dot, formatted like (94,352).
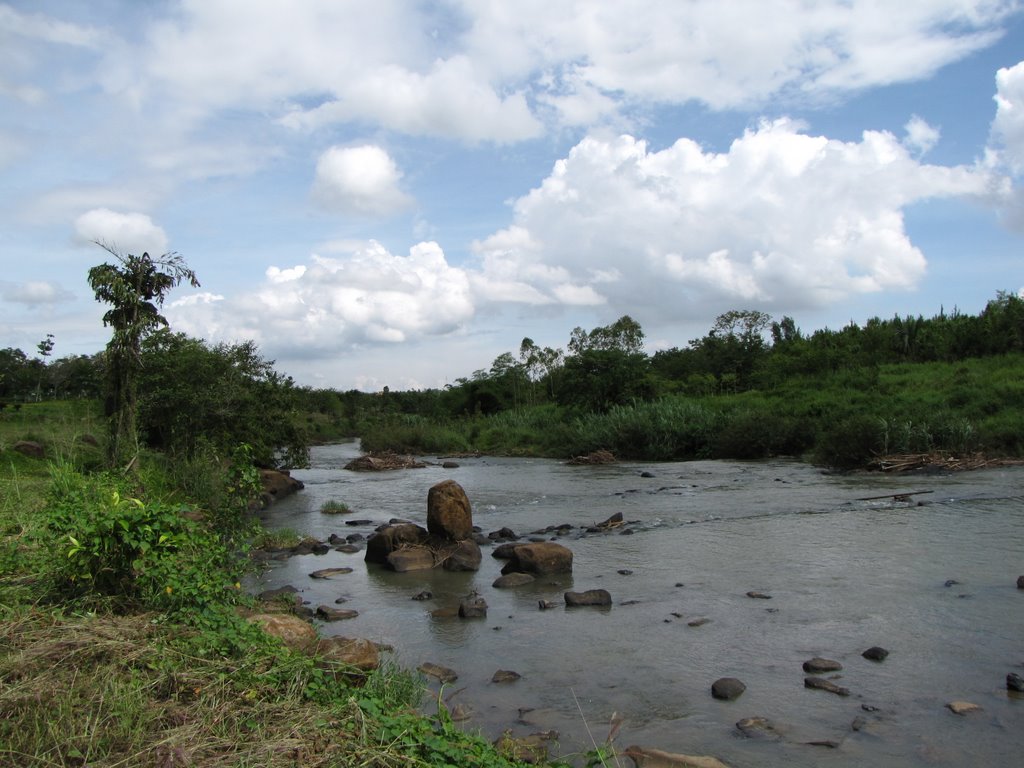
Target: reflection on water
(844,573)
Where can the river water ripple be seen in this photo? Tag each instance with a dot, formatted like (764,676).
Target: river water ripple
(843,573)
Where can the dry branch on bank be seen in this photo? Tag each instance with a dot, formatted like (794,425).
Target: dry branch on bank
(938,461)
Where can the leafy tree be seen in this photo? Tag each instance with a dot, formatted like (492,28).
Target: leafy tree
(135,287)
(607,367)
(45,349)
(196,397)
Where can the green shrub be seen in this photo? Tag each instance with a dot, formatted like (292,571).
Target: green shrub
(850,442)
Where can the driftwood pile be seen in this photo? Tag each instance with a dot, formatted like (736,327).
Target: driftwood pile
(937,461)
(596,457)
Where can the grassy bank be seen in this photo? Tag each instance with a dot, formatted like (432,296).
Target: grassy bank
(844,419)
(124,639)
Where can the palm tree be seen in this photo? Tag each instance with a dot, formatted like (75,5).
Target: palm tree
(135,288)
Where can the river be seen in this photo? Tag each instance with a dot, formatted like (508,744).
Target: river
(843,574)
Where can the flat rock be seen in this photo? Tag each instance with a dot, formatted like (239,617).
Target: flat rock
(962,707)
(413,558)
(326,613)
(444,674)
(656,758)
(758,595)
(822,684)
(359,654)
(512,580)
(597,597)
(727,688)
(329,573)
(698,622)
(817,665)
(292,631)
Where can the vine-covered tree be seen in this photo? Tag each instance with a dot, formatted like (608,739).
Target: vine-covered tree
(135,288)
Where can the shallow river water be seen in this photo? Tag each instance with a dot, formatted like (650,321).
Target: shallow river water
(843,573)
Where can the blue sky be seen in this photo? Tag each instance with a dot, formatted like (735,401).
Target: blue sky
(396,193)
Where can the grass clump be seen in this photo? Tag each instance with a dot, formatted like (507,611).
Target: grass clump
(334,507)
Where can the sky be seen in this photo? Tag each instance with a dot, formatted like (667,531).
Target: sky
(395,193)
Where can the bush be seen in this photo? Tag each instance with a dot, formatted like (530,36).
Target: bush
(851,442)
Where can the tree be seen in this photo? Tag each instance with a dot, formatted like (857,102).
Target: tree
(196,397)
(135,287)
(606,367)
(45,348)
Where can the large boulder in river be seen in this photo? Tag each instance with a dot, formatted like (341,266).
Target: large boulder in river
(541,558)
(449,515)
(598,597)
(411,558)
(465,556)
(393,537)
(278,483)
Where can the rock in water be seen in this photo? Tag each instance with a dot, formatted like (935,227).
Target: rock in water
(449,514)
(656,758)
(1015,682)
(825,685)
(727,688)
(599,597)
(444,674)
(875,653)
(817,665)
(473,607)
(962,707)
(542,558)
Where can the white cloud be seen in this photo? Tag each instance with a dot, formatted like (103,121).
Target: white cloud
(478,70)
(783,219)
(33,293)
(921,137)
(1008,126)
(133,233)
(367,296)
(360,180)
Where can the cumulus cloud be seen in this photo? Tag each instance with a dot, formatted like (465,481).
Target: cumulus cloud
(133,233)
(361,180)
(1008,126)
(366,296)
(783,219)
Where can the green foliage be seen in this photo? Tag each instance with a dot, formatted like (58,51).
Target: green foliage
(135,289)
(195,397)
(333,507)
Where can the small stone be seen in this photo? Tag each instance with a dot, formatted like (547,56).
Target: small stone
(727,688)
(505,676)
(875,653)
(624,572)
(758,595)
(817,665)
(821,684)
(597,597)
(858,723)
(759,728)
(698,622)
(545,605)
(951,582)
(1020,582)
(1015,682)
(962,707)
(334,614)
(444,674)
(426,594)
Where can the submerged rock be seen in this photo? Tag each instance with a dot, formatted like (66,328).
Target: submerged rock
(962,707)
(1015,682)
(444,674)
(473,607)
(329,573)
(505,676)
(758,728)
(327,613)
(822,684)
(656,758)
